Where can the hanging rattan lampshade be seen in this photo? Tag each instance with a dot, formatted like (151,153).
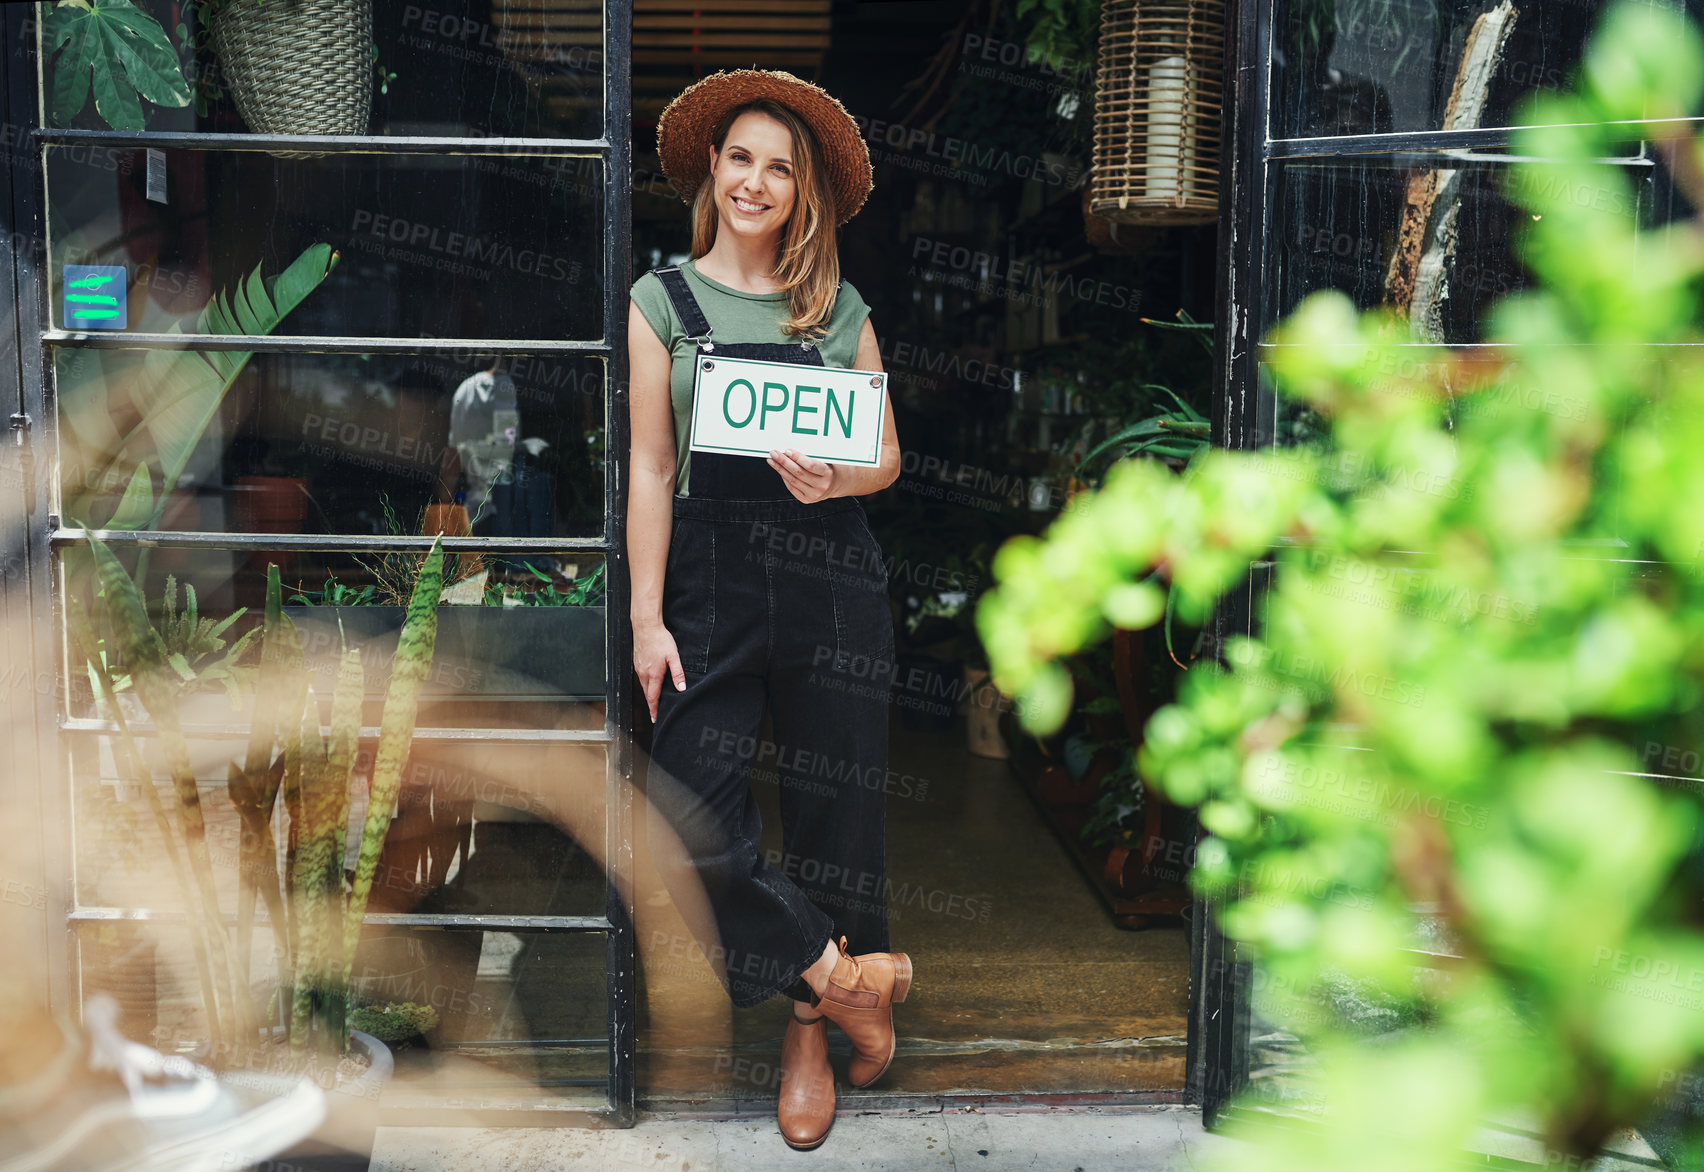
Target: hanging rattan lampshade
(1159,103)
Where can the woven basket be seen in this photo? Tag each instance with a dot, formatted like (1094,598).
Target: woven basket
(1112,238)
(1159,104)
(298,66)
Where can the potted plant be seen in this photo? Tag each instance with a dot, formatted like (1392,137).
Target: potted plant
(315,907)
(292,66)
(542,641)
(947,620)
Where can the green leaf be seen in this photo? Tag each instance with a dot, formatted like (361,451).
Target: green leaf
(396,731)
(1043,705)
(1133,605)
(119,50)
(1188,411)
(137,504)
(178,391)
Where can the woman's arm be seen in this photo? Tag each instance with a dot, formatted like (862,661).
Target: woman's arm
(813,480)
(650,504)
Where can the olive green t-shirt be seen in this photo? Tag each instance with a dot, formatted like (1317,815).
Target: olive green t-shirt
(734,316)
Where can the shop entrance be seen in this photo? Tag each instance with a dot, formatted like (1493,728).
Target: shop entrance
(1039,896)
(459,372)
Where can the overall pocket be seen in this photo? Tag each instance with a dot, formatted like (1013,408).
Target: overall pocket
(689,591)
(859,583)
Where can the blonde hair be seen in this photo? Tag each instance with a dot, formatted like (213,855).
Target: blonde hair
(807,259)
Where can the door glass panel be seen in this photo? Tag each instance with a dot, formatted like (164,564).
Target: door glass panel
(385,445)
(512,650)
(468,246)
(1376,66)
(522,1017)
(489,895)
(1430,237)
(452,69)
(510,1019)
(493,829)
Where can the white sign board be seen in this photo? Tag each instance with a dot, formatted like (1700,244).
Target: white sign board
(748,407)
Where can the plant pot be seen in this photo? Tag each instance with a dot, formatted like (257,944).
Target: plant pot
(298,66)
(447,520)
(344,1142)
(270,504)
(531,652)
(983,705)
(388,967)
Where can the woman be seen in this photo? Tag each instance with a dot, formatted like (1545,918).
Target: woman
(757,581)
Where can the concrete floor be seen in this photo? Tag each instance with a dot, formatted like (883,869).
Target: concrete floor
(1153,1139)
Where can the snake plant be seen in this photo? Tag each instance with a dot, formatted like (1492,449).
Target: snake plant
(314,909)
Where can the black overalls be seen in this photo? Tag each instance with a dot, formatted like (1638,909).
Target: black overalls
(771,600)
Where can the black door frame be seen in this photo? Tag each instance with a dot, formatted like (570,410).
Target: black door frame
(1216,1063)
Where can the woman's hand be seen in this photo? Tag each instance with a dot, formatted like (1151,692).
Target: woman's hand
(654,657)
(807,478)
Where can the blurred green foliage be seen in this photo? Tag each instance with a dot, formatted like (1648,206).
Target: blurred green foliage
(1485,598)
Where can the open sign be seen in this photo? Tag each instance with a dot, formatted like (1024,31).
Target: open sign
(747,407)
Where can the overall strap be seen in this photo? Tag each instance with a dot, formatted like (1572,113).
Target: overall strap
(686,305)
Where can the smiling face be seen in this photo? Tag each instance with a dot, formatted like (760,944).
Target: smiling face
(753,176)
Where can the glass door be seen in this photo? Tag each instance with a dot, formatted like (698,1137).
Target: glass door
(312,329)
(1370,154)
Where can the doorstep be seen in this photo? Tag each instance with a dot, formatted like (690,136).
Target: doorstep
(1076,1139)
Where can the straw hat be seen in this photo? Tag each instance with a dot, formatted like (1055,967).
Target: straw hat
(683,130)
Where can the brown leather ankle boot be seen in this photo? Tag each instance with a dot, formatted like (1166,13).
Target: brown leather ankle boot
(805,1110)
(859,998)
